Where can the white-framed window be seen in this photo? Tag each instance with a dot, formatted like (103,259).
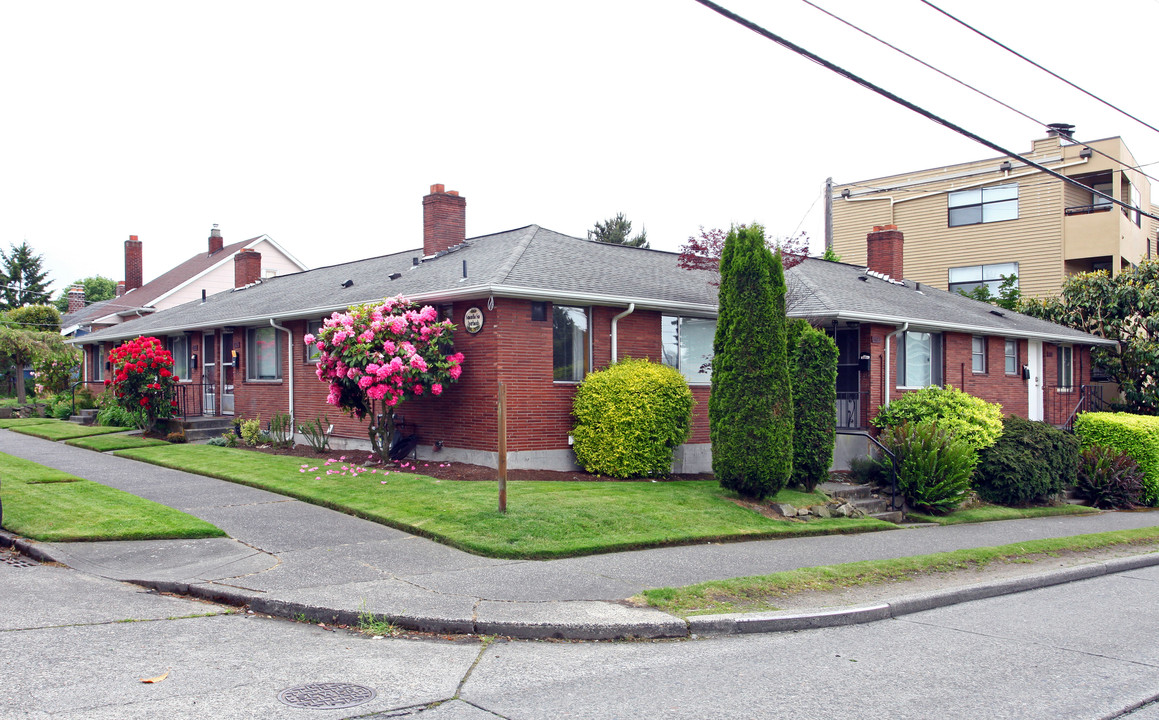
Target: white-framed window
(179,349)
(983,205)
(965,279)
(1065,367)
(919,359)
(978,354)
(263,360)
(312,353)
(1010,355)
(686,344)
(569,343)
(100,357)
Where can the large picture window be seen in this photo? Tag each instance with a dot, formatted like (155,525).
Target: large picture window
(569,343)
(179,349)
(983,205)
(919,359)
(687,346)
(965,279)
(263,360)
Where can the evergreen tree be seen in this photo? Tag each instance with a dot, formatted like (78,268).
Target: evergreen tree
(25,282)
(750,409)
(814,367)
(97,288)
(616,230)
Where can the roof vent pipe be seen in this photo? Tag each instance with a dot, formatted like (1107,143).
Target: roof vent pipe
(464,269)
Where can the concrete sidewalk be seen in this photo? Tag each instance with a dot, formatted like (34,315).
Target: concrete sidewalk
(292,559)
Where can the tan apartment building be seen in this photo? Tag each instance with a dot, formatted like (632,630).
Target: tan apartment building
(974,222)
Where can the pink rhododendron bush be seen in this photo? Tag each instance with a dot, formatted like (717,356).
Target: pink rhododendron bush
(142,379)
(375,357)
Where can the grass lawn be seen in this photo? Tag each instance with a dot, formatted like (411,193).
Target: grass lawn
(8,423)
(48,505)
(543,520)
(760,593)
(986,513)
(61,430)
(105,443)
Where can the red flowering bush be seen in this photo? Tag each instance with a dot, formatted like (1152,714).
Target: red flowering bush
(142,379)
(376,356)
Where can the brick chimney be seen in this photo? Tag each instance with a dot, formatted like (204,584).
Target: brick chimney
(444,220)
(247,267)
(134,267)
(76,298)
(120,288)
(884,251)
(215,241)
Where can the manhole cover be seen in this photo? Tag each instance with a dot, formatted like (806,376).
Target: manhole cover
(18,560)
(327,695)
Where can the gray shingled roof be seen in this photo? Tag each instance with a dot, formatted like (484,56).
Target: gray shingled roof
(532,262)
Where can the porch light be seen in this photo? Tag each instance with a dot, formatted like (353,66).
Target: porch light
(1085,153)
(1006,166)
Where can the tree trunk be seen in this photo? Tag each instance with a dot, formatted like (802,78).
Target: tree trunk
(381,430)
(20,394)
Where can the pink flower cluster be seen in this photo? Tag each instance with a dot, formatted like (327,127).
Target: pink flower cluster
(384,353)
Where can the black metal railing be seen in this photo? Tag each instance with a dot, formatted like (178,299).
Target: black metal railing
(1061,404)
(896,502)
(1088,209)
(191,400)
(850,409)
(98,385)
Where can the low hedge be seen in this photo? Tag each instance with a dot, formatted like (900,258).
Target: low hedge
(1135,435)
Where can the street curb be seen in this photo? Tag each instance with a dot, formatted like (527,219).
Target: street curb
(654,628)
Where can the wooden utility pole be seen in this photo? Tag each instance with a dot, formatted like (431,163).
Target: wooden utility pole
(502,448)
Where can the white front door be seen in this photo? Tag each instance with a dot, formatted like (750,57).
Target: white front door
(1034,383)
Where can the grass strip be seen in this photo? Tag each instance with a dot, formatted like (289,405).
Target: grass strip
(759,593)
(7,423)
(46,504)
(61,430)
(543,519)
(987,513)
(107,443)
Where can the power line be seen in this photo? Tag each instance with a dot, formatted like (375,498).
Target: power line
(911,106)
(1040,67)
(969,86)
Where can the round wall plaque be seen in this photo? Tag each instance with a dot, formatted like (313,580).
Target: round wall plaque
(473,320)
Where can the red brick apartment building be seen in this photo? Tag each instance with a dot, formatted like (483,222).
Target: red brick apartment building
(554,307)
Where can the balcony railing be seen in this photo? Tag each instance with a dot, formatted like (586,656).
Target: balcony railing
(1088,209)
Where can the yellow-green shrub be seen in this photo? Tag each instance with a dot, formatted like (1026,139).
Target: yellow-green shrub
(629,417)
(1135,435)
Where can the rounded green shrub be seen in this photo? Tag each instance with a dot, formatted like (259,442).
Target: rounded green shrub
(814,376)
(969,418)
(629,417)
(1135,435)
(1108,478)
(1030,462)
(933,465)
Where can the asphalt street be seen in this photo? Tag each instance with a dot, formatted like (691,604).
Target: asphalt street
(77,646)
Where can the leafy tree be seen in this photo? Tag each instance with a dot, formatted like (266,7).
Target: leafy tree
(616,230)
(750,409)
(97,288)
(1008,298)
(374,357)
(42,318)
(813,362)
(1124,309)
(831,255)
(26,283)
(19,348)
(703,251)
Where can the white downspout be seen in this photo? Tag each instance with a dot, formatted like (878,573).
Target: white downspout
(615,321)
(893,334)
(289,364)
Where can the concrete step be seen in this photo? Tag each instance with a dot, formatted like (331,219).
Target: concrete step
(849,491)
(895,516)
(203,428)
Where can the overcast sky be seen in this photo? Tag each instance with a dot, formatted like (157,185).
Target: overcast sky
(324,124)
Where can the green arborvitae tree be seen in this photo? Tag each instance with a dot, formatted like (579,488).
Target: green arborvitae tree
(750,409)
(1124,308)
(616,230)
(26,282)
(814,367)
(97,288)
